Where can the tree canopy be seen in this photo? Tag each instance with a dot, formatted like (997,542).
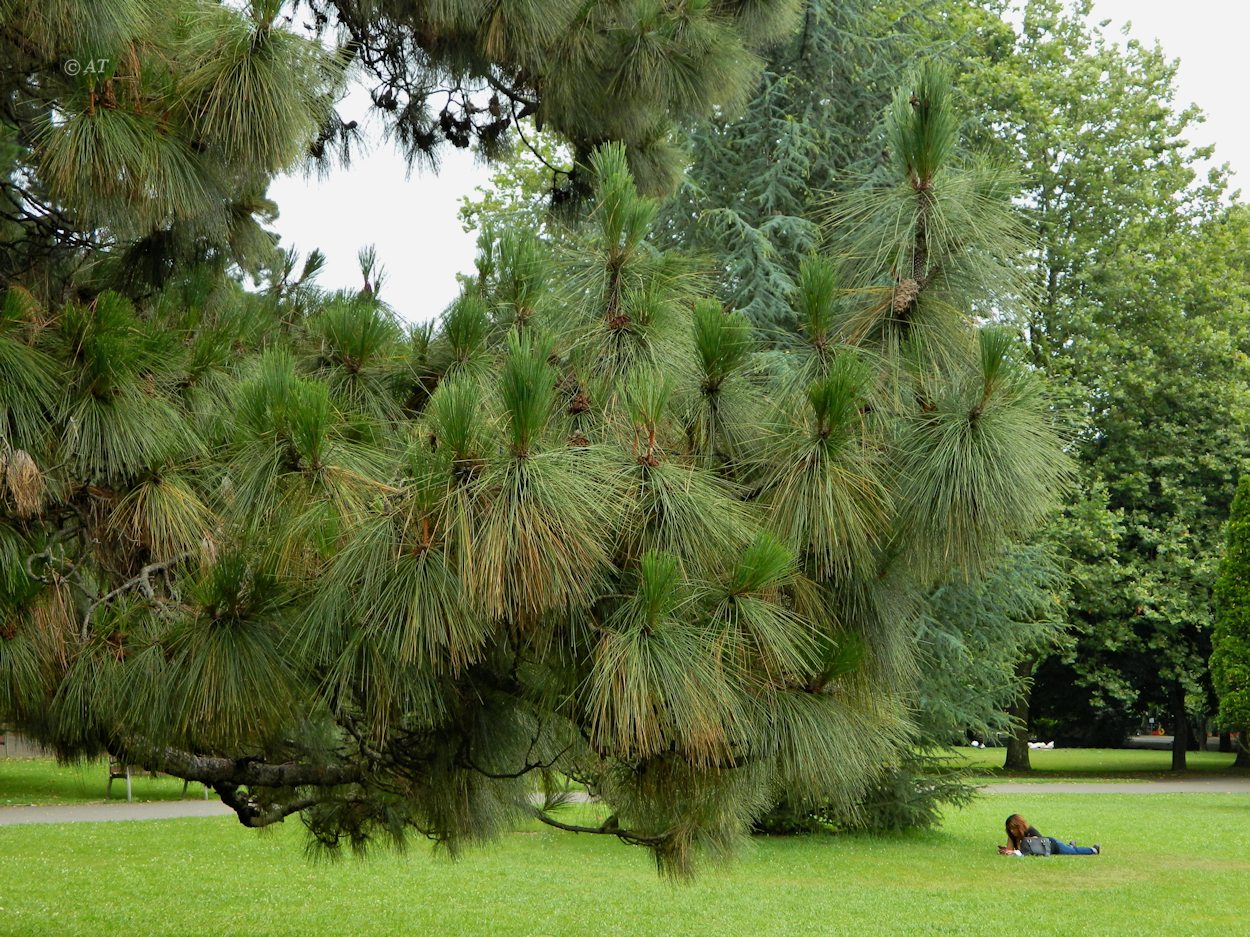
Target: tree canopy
(1230,654)
(152,130)
(1141,280)
(404,580)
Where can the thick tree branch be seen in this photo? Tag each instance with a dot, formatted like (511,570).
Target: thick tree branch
(213,770)
(252,814)
(226,776)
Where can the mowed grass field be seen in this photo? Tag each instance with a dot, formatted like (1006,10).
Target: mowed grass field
(42,781)
(1173,864)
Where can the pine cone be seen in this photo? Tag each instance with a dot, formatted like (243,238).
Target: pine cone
(905,294)
(25,483)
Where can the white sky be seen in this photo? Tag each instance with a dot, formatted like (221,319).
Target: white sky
(1207,36)
(412,222)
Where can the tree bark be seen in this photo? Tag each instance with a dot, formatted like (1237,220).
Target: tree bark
(213,770)
(1243,749)
(1226,742)
(236,780)
(1180,729)
(1018,742)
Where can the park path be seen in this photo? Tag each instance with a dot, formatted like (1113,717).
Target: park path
(93,813)
(172,809)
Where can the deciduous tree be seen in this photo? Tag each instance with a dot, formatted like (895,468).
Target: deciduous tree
(1230,642)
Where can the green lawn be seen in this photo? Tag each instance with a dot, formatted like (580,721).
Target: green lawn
(1097,764)
(1172,864)
(43,781)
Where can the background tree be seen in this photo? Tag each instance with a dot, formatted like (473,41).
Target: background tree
(1230,654)
(1131,322)
(754,193)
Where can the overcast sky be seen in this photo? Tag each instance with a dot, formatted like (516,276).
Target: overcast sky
(413,224)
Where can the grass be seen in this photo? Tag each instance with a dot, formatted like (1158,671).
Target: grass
(1172,864)
(1098,764)
(43,781)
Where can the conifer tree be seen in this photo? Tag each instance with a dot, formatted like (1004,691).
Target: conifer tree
(470,71)
(141,136)
(753,193)
(408,582)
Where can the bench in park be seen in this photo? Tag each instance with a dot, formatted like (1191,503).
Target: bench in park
(119,770)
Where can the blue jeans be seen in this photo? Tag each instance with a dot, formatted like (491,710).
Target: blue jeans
(1058,848)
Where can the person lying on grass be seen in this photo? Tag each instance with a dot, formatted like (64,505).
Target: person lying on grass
(1018,830)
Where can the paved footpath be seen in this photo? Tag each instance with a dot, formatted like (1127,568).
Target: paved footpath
(92,813)
(172,809)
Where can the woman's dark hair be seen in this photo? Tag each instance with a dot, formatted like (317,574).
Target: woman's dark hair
(1017,829)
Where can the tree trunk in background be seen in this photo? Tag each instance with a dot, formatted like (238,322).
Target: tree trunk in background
(1180,729)
(1243,749)
(1226,741)
(1018,742)
(1197,735)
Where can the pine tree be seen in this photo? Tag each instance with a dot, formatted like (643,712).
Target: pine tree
(141,136)
(755,201)
(621,70)
(411,581)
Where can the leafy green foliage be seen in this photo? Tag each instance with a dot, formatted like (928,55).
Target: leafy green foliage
(1141,280)
(973,634)
(1230,652)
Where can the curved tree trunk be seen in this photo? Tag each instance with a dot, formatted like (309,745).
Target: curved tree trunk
(1243,749)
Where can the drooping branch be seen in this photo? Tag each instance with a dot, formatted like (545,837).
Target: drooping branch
(227,775)
(609,828)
